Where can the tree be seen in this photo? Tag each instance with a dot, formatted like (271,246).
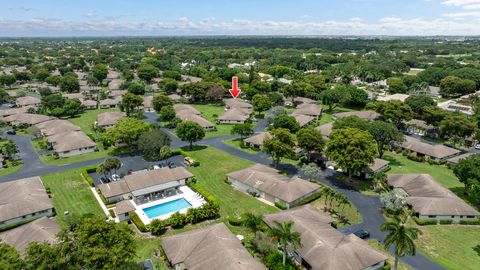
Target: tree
(457,126)
(333,97)
(401,237)
(127,130)
(4,97)
(172,74)
(42,74)
(190,132)
(9,149)
(253,222)
(356,97)
(147,72)
(310,140)
(100,72)
(419,102)
(215,92)
(352,149)
(274,112)
(112,163)
(165,152)
(384,133)
(394,201)
(261,103)
(468,172)
(396,85)
(136,88)
(72,107)
(69,84)
(167,113)
(130,102)
(452,86)
(244,130)
(352,121)
(433,115)
(86,243)
(279,145)
(7,80)
(393,110)
(287,122)
(9,258)
(161,101)
(168,85)
(286,237)
(150,143)
(311,171)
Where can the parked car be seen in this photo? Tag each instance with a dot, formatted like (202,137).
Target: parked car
(477,146)
(115,177)
(171,164)
(362,234)
(11,132)
(189,161)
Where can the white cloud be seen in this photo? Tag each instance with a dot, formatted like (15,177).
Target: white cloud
(462,14)
(449,25)
(465,4)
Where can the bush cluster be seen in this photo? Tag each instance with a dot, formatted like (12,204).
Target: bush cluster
(138,222)
(422,222)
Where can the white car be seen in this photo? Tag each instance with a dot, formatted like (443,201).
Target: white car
(115,177)
(477,146)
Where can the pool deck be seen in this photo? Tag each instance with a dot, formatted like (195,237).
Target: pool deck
(189,195)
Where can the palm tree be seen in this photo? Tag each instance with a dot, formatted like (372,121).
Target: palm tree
(283,233)
(401,236)
(380,183)
(252,222)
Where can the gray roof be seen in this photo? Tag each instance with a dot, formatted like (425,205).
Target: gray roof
(235,114)
(143,179)
(109,118)
(325,129)
(428,197)
(41,230)
(27,101)
(213,247)
(73,141)
(322,246)
(23,197)
(257,139)
(457,159)
(123,207)
(428,149)
(237,103)
(367,115)
(308,109)
(303,119)
(378,164)
(27,118)
(56,126)
(269,180)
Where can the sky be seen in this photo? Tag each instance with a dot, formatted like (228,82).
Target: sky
(62,18)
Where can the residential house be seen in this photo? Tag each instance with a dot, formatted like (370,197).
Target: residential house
(12,111)
(145,186)
(456,159)
(453,106)
(188,113)
(419,127)
(123,210)
(23,200)
(90,104)
(256,141)
(56,126)
(26,119)
(431,150)
(325,129)
(303,120)
(115,84)
(235,116)
(231,103)
(78,96)
(112,74)
(175,98)
(322,246)
(42,230)
(28,101)
(399,97)
(379,165)
(312,110)
(110,103)
(72,144)
(116,94)
(430,200)
(366,115)
(109,119)
(273,187)
(212,247)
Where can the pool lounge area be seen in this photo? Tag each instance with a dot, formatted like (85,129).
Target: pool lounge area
(165,207)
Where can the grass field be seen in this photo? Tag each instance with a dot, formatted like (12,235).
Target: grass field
(214,164)
(326,116)
(146,249)
(70,192)
(349,211)
(86,120)
(455,247)
(381,248)
(50,160)
(9,169)
(401,164)
(211,112)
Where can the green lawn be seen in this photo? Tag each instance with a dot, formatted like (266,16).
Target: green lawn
(86,120)
(211,112)
(378,246)
(401,164)
(349,211)
(50,160)
(70,192)
(455,247)
(326,116)
(9,169)
(214,164)
(146,248)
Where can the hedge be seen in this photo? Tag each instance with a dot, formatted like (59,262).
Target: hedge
(422,222)
(86,174)
(470,222)
(205,194)
(235,222)
(138,222)
(280,205)
(309,199)
(112,213)
(446,221)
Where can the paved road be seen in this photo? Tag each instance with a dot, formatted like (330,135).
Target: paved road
(368,206)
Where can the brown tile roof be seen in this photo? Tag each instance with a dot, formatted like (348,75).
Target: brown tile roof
(56,126)
(12,111)
(213,247)
(378,164)
(147,102)
(27,101)
(123,207)
(109,102)
(27,118)
(115,84)
(23,197)
(322,246)
(325,129)
(428,197)
(237,103)
(428,149)
(304,100)
(257,139)
(117,93)
(185,109)
(174,97)
(89,103)
(303,119)
(367,115)
(418,123)
(457,159)
(74,96)
(73,141)
(186,116)
(235,114)
(269,180)
(308,109)
(109,118)
(40,230)
(113,189)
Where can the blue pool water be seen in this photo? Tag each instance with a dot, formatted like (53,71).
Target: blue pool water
(166,208)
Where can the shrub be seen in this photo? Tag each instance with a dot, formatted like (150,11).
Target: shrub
(309,199)
(86,175)
(446,221)
(138,222)
(177,220)
(422,222)
(112,213)
(470,222)
(208,197)
(280,205)
(196,163)
(102,197)
(235,222)
(273,261)
(158,227)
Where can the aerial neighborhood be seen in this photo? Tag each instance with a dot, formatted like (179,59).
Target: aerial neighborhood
(330,154)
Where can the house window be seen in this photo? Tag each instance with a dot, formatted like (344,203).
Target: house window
(470,216)
(432,216)
(453,216)
(461,216)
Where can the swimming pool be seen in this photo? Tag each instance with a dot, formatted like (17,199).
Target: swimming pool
(166,208)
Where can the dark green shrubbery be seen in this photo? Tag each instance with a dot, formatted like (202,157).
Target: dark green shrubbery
(422,222)
(446,221)
(470,222)
(273,261)
(138,222)
(280,205)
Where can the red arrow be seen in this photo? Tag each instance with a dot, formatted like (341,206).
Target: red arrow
(235,91)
